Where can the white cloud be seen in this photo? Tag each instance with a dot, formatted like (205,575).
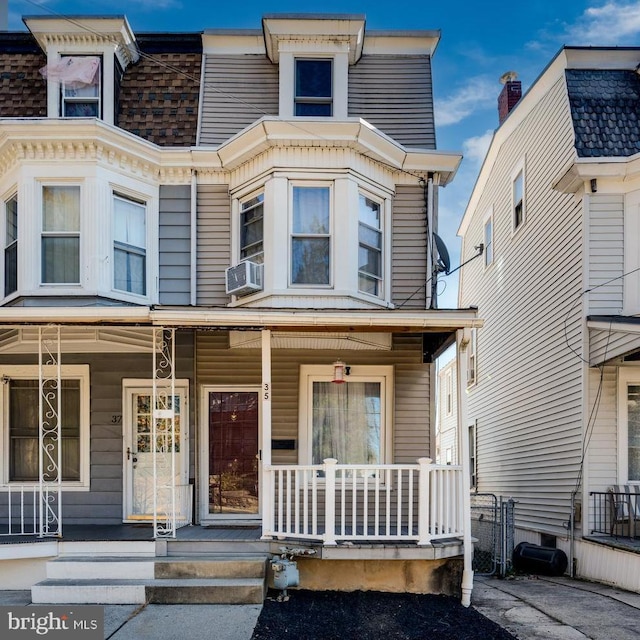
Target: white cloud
(615,22)
(475,148)
(477,94)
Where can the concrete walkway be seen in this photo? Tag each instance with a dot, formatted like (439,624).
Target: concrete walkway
(531,608)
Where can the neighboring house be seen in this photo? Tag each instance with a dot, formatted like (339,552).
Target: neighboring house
(447,418)
(554,398)
(217,307)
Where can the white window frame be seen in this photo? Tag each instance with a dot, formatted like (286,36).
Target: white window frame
(10,245)
(257,257)
(626,376)
(381,230)
(69,234)
(519,172)
(473,456)
(472,365)
(143,251)
(290,236)
(488,252)
(68,372)
(320,100)
(358,373)
(448,393)
(71,99)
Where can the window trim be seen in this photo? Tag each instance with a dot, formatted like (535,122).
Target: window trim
(472,362)
(626,376)
(68,372)
(517,172)
(11,245)
(381,295)
(67,234)
(143,251)
(293,184)
(358,373)
(488,245)
(256,195)
(472,434)
(323,100)
(448,393)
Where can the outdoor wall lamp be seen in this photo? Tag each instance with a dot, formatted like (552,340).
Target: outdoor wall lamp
(340,370)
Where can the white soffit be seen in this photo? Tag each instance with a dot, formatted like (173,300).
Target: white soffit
(318,340)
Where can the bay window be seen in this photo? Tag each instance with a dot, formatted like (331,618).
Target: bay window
(369,247)
(252,229)
(311,236)
(11,246)
(60,235)
(129,245)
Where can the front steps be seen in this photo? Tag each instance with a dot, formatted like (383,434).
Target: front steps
(210,579)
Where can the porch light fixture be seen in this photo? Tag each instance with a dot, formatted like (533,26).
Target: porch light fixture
(339,372)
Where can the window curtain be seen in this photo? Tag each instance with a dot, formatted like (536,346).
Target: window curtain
(346,422)
(75,71)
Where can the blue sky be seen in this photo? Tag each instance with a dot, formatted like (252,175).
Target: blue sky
(480,41)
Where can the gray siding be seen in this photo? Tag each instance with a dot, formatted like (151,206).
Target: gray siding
(103,504)
(213,244)
(238,90)
(219,365)
(394,94)
(408,248)
(528,396)
(175,245)
(605,345)
(606,253)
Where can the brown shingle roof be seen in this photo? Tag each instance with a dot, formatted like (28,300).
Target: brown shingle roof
(23,91)
(159,98)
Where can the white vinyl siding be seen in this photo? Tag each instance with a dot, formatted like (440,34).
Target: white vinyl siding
(528,406)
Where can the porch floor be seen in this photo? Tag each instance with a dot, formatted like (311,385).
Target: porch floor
(135,532)
(625,544)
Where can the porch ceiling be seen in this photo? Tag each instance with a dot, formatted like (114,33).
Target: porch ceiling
(612,337)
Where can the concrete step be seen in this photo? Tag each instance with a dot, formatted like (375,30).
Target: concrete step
(209,547)
(159,591)
(225,566)
(101,568)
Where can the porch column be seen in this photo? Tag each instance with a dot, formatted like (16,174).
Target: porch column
(463,339)
(265,445)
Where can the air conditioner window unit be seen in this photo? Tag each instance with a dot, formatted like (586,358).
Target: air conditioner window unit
(244,278)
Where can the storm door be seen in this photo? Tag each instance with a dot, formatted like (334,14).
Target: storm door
(233,460)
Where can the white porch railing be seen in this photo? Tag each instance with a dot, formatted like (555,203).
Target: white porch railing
(19,512)
(331,502)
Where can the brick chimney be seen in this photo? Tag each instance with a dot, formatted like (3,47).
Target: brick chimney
(510,94)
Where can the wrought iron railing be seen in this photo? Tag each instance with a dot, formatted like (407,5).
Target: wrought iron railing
(330,502)
(615,514)
(19,513)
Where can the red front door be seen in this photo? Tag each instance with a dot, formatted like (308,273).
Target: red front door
(233,452)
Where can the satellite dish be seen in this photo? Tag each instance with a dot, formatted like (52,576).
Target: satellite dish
(444,262)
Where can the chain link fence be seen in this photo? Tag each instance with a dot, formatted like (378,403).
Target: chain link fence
(492,526)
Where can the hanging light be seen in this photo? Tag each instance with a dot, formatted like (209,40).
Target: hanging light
(338,372)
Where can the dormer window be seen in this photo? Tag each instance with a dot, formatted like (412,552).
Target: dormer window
(80,86)
(314,93)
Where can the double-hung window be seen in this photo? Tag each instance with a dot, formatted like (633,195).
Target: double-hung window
(518,200)
(369,247)
(488,241)
(80,86)
(350,421)
(20,397)
(473,358)
(311,236)
(252,229)
(129,245)
(11,246)
(60,260)
(313,87)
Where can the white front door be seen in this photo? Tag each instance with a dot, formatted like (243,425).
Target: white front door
(140,488)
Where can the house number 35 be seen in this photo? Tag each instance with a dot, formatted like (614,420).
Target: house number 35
(267,391)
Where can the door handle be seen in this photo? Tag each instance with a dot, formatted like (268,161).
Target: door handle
(129,452)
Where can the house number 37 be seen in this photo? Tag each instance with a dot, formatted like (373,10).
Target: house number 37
(266,391)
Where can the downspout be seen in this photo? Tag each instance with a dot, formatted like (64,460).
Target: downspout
(463,340)
(431,283)
(194,238)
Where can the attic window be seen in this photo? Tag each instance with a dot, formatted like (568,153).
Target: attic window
(79,78)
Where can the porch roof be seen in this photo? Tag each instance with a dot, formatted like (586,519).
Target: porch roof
(413,321)
(612,337)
